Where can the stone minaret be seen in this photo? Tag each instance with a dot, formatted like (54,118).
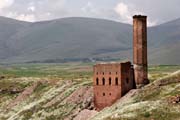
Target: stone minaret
(140,49)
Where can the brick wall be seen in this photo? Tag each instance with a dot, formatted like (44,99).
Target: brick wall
(140,49)
(111,81)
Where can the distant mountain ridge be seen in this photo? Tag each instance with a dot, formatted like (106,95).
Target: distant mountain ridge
(83,39)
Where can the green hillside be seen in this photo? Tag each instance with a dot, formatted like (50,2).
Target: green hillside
(83,39)
(156,101)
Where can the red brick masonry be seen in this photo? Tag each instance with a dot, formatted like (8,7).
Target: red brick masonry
(140,49)
(111,81)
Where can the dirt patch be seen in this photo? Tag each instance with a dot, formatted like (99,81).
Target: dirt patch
(2,77)
(129,95)
(83,95)
(11,91)
(24,95)
(173,78)
(83,98)
(53,82)
(85,114)
(174,99)
(59,97)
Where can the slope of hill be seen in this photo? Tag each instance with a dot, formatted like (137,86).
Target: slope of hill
(82,39)
(64,92)
(159,100)
(164,43)
(8,28)
(71,38)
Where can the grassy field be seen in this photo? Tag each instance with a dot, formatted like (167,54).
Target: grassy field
(71,71)
(61,80)
(68,71)
(159,71)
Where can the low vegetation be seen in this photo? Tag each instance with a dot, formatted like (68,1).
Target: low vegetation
(157,101)
(66,89)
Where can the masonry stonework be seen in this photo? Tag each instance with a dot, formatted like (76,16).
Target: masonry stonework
(113,80)
(140,49)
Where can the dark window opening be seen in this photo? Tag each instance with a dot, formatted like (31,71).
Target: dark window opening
(127,80)
(103,81)
(116,81)
(97,73)
(97,81)
(103,73)
(110,73)
(116,73)
(110,94)
(104,94)
(109,81)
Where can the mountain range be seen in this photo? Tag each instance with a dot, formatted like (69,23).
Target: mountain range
(83,39)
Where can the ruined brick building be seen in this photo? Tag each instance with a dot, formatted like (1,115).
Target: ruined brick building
(113,80)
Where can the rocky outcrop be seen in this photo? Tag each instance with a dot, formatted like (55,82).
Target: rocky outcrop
(83,95)
(173,78)
(175,99)
(85,114)
(83,99)
(24,95)
(11,91)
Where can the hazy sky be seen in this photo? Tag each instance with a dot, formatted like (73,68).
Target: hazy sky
(158,11)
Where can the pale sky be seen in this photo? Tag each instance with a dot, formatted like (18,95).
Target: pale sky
(158,11)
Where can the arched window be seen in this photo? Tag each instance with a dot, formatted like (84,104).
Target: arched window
(97,81)
(110,81)
(104,94)
(116,81)
(103,81)
(103,73)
